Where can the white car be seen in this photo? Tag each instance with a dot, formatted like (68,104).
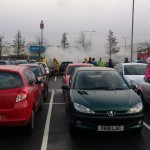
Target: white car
(47,71)
(133,73)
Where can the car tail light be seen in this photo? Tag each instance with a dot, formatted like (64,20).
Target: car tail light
(21,95)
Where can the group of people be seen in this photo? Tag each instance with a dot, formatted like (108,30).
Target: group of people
(100,63)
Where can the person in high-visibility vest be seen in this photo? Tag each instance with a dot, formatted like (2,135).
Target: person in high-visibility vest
(56,66)
(44,59)
(100,63)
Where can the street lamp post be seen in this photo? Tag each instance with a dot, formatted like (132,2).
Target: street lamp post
(90,37)
(41,27)
(132,30)
(125,43)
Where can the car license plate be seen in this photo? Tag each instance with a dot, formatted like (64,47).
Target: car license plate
(110,128)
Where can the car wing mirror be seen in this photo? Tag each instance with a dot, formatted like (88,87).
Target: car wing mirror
(133,86)
(30,82)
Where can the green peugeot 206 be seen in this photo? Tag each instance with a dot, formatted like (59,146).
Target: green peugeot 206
(99,99)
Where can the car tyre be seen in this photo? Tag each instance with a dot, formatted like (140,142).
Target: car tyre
(30,126)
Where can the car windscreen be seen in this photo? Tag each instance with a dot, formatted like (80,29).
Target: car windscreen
(134,69)
(100,80)
(10,80)
(72,68)
(36,70)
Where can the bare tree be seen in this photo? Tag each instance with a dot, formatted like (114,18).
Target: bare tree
(19,44)
(82,41)
(111,45)
(64,41)
(37,42)
(4,48)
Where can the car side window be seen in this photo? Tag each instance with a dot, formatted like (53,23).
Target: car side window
(29,76)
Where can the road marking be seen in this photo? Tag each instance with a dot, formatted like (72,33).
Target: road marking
(146,125)
(47,125)
(55,78)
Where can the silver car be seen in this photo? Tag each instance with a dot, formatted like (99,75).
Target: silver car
(133,73)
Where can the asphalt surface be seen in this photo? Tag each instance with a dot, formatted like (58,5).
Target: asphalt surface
(52,131)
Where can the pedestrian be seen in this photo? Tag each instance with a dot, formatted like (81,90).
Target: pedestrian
(110,64)
(94,62)
(126,60)
(44,59)
(56,66)
(100,63)
(90,60)
(85,60)
(147,73)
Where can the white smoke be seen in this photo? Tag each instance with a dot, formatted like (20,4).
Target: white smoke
(68,54)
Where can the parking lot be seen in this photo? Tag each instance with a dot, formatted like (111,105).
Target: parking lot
(52,131)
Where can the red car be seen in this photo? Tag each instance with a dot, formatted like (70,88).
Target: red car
(20,97)
(70,68)
(39,72)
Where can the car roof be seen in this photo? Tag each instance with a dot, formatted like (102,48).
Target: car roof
(5,60)
(80,64)
(29,64)
(39,62)
(95,68)
(134,63)
(13,68)
(21,60)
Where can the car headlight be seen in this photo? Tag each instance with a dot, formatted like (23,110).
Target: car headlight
(137,108)
(83,109)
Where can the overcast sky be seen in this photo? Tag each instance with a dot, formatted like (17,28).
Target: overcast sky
(74,16)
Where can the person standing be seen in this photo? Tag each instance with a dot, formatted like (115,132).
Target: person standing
(126,60)
(94,62)
(100,63)
(90,60)
(110,64)
(85,60)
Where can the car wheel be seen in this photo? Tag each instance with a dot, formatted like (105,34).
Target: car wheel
(30,126)
(45,94)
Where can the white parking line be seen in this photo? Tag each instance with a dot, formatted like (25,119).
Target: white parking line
(55,78)
(146,125)
(47,125)
(59,103)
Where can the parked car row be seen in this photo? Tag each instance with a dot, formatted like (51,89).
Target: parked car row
(23,87)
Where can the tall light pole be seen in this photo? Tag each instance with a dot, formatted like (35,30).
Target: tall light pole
(41,27)
(132,30)
(125,38)
(90,39)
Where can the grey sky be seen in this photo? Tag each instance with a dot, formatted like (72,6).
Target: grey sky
(74,16)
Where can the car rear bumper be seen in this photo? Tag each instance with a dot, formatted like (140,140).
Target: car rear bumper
(92,122)
(19,115)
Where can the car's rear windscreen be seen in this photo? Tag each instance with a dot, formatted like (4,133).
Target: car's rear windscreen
(10,80)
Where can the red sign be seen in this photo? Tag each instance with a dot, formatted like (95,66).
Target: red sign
(42,25)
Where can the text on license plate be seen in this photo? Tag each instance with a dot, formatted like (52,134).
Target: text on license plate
(110,128)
